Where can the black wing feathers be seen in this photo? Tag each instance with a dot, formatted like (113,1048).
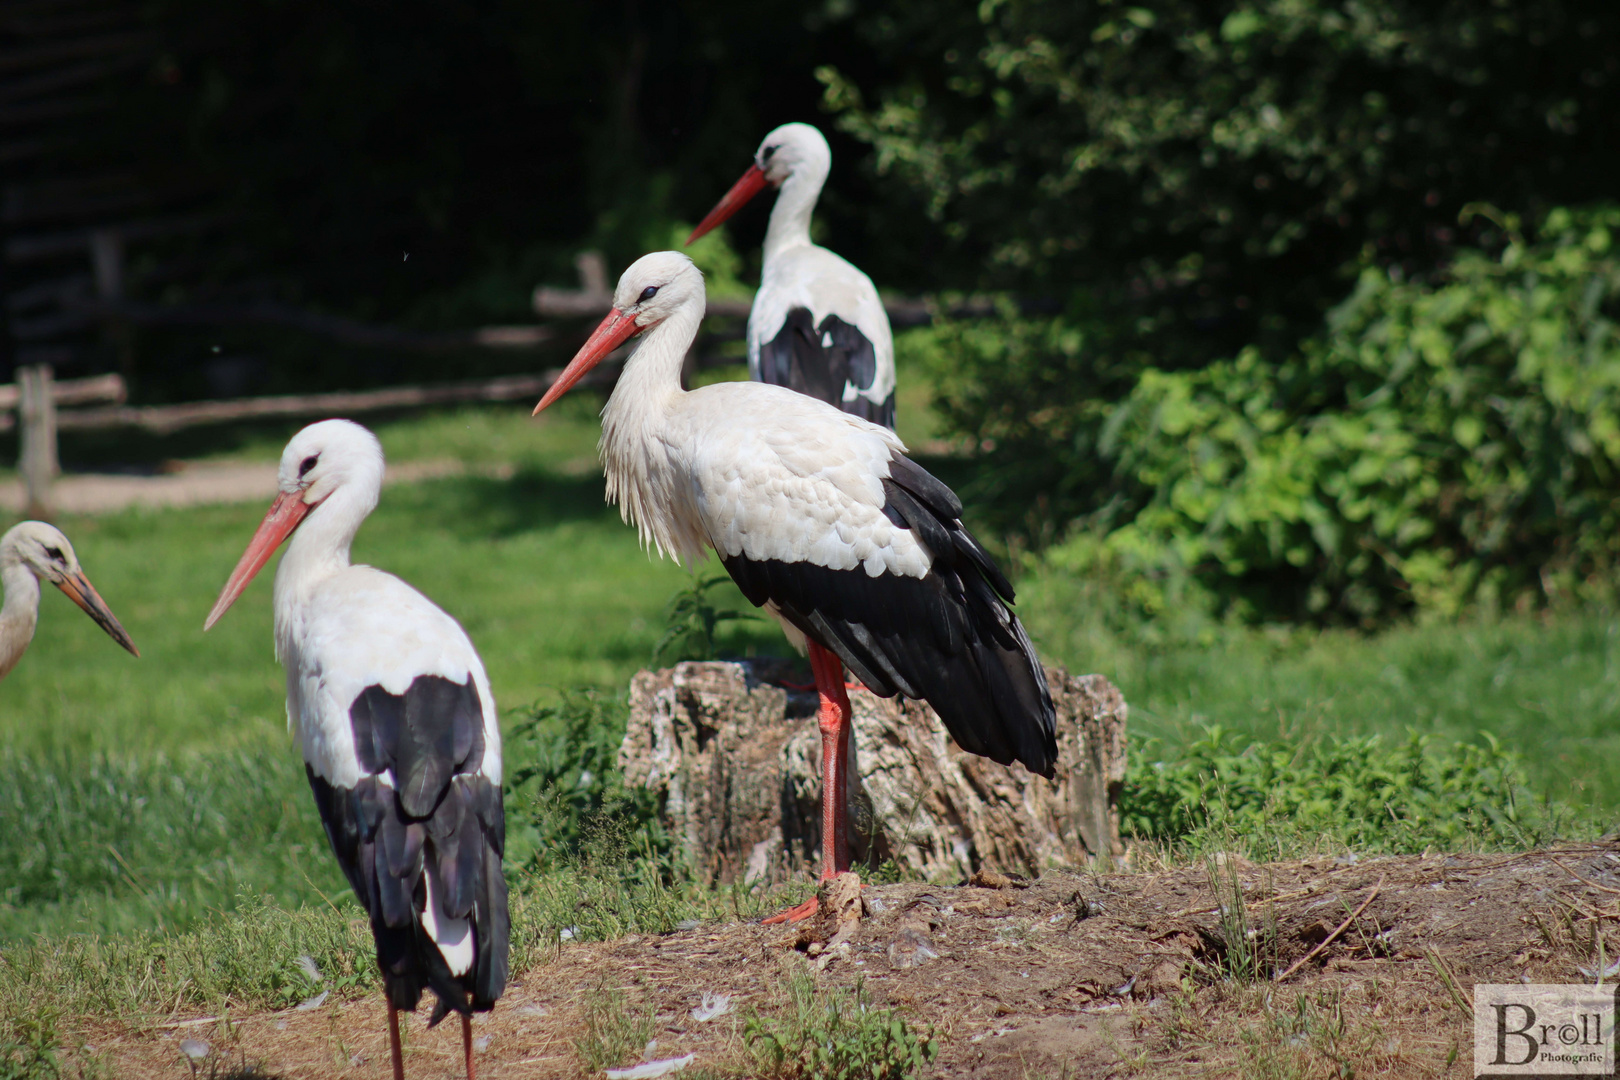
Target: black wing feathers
(949,638)
(438,812)
(426,735)
(820,360)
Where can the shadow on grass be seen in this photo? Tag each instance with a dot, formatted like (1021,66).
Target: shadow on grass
(484,508)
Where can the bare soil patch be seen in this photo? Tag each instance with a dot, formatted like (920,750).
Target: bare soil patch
(1073,975)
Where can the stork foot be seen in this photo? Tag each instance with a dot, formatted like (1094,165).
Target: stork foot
(794,914)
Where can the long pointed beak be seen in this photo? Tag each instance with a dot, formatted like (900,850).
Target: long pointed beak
(752,182)
(81,592)
(284,515)
(612,332)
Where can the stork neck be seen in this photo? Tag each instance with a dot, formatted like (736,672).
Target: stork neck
(320,546)
(18,615)
(652,378)
(790,217)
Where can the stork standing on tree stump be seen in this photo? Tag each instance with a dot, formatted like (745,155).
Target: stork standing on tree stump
(817,325)
(399,733)
(821,519)
(32,552)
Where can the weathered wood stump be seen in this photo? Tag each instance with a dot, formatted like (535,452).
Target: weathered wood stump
(736,757)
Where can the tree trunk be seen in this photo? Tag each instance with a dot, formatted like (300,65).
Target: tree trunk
(736,754)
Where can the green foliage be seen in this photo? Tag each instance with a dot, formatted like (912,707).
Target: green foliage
(1356,793)
(565,782)
(28,1048)
(1442,444)
(834,1035)
(1201,172)
(691,619)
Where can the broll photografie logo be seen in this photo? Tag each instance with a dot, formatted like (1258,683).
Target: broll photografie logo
(1541,1029)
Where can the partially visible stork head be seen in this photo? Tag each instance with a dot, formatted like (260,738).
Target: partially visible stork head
(792,150)
(44,551)
(320,460)
(650,291)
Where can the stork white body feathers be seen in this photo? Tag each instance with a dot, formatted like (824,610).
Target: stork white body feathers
(360,627)
(800,274)
(748,469)
(340,627)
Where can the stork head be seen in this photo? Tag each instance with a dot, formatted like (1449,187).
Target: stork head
(320,460)
(790,150)
(43,550)
(650,291)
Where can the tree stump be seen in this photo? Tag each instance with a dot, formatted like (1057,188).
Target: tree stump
(735,754)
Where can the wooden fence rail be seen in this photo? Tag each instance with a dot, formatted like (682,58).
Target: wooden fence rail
(36,397)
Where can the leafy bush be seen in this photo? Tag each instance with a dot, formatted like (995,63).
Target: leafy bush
(834,1036)
(1358,793)
(1442,444)
(1206,170)
(690,620)
(564,784)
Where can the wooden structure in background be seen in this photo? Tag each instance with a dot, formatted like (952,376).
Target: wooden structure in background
(37,398)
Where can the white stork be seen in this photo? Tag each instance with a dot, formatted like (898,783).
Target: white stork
(817,325)
(822,520)
(31,552)
(393,709)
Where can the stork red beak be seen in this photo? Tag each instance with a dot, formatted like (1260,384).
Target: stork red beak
(285,514)
(612,332)
(752,182)
(79,590)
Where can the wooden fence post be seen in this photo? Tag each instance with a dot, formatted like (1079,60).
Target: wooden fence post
(37,413)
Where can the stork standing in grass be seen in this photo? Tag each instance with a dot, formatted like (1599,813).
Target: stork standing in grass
(397,722)
(821,519)
(32,552)
(817,325)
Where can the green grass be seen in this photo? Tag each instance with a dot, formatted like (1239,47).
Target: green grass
(1548,688)
(158,793)
(145,793)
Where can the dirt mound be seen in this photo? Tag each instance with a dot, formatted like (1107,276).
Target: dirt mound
(1071,975)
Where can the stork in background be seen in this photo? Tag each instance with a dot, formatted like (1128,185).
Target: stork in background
(31,552)
(394,712)
(817,325)
(821,519)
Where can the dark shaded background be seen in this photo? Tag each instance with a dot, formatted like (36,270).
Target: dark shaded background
(425,165)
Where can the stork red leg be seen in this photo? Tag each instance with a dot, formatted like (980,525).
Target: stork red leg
(466,1042)
(394,1053)
(833,719)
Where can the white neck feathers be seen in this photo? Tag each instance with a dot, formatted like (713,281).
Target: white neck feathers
(638,448)
(790,217)
(319,548)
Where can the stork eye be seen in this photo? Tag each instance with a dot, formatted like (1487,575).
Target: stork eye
(308,464)
(55,554)
(765,154)
(647,294)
